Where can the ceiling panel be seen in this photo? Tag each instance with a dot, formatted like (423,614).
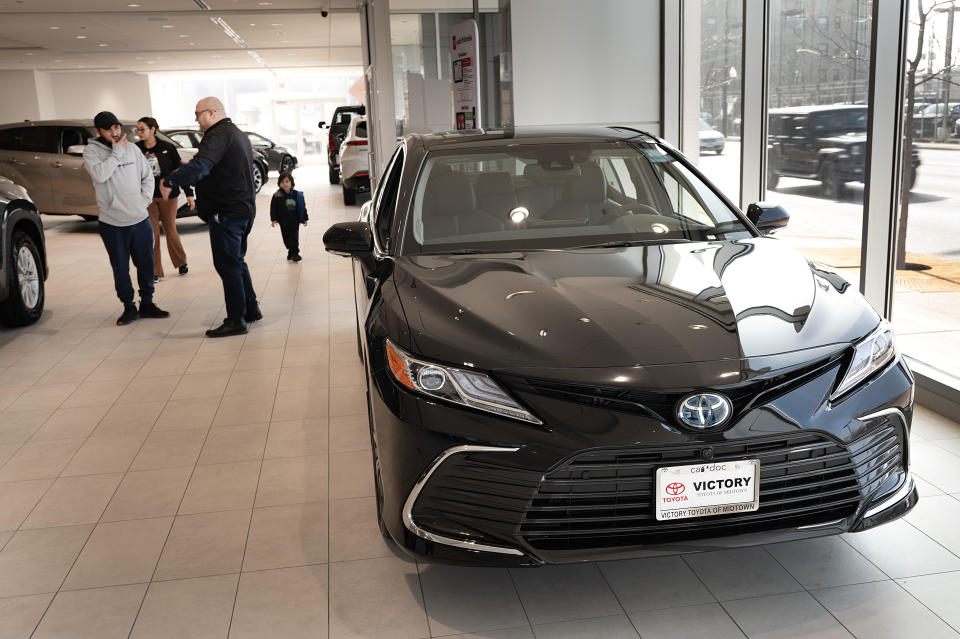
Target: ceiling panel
(75,34)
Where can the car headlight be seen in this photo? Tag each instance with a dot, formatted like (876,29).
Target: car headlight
(468,388)
(870,354)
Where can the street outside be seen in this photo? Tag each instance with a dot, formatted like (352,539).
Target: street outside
(816,220)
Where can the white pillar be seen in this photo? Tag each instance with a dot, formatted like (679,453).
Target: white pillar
(378,73)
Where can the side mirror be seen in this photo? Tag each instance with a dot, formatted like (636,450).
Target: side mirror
(352,239)
(321,124)
(767,217)
(76,149)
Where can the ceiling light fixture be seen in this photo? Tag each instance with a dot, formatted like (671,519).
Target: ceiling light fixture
(233,35)
(133,6)
(103,45)
(54,28)
(81,37)
(203,5)
(166,26)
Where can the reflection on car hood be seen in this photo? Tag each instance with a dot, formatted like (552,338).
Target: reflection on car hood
(623,307)
(846,138)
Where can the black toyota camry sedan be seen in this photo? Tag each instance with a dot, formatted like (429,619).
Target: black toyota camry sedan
(577,348)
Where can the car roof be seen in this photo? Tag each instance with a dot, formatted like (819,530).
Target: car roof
(803,110)
(531,135)
(83,123)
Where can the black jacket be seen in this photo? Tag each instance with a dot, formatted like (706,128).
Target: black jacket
(223,173)
(287,208)
(167,160)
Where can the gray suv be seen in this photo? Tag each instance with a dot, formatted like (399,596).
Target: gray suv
(23,257)
(46,158)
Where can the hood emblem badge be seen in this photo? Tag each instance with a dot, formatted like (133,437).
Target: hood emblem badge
(704,410)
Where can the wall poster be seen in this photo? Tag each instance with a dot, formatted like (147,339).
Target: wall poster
(466,75)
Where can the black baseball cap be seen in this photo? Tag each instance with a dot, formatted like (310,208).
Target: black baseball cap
(105,120)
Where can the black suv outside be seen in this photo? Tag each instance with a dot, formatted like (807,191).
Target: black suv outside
(825,143)
(23,257)
(338,130)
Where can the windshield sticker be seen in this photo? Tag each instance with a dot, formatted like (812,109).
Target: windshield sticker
(655,155)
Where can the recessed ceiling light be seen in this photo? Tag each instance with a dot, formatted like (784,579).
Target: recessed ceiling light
(264,4)
(183,35)
(253,24)
(166,26)
(193,44)
(133,6)
(81,37)
(29,53)
(150,62)
(54,28)
(103,45)
(276,24)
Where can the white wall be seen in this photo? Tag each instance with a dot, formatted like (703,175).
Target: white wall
(83,95)
(19,97)
(586,63)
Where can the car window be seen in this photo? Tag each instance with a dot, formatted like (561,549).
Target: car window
(182,139)
(387,200)
(36,139)
(257,140)
(343,117)
(361,130)
(71,137)
(569,195)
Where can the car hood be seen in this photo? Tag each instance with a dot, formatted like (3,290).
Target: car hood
(627,307)
(711,135)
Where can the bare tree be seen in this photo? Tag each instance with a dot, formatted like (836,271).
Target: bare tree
(907,177)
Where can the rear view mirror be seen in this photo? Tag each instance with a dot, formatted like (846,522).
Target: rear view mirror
(76,149)
(767,217)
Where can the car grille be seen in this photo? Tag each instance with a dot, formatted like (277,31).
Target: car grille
(604,498)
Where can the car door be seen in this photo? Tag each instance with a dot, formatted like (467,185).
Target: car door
(74,187)
(380,217)
(28,157)
(265,146)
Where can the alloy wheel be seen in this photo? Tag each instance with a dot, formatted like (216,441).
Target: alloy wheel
(28,278)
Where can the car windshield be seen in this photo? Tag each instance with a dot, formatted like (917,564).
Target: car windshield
(704,126)
(556,196)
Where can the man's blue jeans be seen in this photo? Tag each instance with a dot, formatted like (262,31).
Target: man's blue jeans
(124,243)
(228,242)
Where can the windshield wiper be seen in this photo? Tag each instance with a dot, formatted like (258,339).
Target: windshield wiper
(626,243)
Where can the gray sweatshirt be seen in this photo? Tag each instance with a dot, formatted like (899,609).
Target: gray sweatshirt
(122,179)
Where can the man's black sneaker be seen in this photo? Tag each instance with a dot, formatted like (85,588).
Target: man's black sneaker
(183,270)
(129,315)
(295,258)
(253,314)
(152,310)
(229,327)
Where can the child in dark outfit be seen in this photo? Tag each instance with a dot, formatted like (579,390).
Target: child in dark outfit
(288,209)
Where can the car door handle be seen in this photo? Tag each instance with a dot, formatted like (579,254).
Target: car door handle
(57,165)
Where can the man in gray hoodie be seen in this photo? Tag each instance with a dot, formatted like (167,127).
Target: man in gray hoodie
(124,185)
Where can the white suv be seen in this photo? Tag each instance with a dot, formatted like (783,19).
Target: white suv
(354,161)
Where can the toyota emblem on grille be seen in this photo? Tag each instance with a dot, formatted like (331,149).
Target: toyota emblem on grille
(675,488)
(704,410)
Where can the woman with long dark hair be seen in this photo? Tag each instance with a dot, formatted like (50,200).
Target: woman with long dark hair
(164,159)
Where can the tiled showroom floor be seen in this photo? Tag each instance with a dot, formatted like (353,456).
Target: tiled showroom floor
(157,484)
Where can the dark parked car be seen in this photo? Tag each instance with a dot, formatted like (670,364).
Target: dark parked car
(23,257)
(190,140)
(825,143)
(278,157)
(576,347)
(338,130)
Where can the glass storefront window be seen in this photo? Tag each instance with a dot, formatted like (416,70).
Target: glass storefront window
(816,139)
(926,303)
(721,58)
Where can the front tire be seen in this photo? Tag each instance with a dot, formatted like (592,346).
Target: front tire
(24,304)
(349,196)
(334,175)
(257,178)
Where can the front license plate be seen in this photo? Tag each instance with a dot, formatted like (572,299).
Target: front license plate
(701,490)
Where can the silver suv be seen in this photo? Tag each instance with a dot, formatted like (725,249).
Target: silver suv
(46,158)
